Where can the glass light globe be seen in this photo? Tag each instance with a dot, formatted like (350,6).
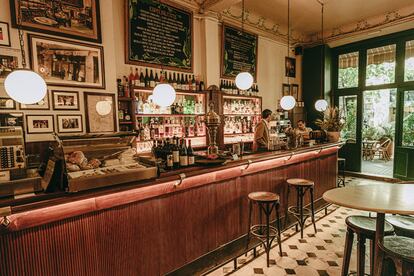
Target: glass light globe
(287,102)
(321,105)
(163,95)
(103,108)
(244,80)
(25,86)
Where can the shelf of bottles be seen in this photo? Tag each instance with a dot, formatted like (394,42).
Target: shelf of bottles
(241,114)
(229,87)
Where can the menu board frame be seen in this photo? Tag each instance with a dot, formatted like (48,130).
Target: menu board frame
(229,77)
(154,65)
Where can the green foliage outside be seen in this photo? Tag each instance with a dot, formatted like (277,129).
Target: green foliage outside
(349,130)
(348,77)
(380,73)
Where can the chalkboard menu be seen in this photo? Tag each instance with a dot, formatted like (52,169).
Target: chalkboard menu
(159,34)
(239,52)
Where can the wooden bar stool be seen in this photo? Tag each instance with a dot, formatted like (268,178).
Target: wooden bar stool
(364,228)
(341,170)
(403,225)
(300,212)
(398,256)
(266,233)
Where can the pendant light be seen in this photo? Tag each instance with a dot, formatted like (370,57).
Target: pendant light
(24,85)
(321,105)
(288,102)
(244,80)
(163,94)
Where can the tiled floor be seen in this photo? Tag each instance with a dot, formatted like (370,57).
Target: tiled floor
(378,167)
(319,254)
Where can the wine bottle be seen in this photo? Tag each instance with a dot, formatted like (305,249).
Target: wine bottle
(131,77)
(157,80)
(170,81)
(119,87)
(170,157)
(187,84)
(183,154)
(174,81)
(193,84)
(190,153)
(201,88)
(152,80)
(136,78)
(175,153)
(147,78)
(141,79)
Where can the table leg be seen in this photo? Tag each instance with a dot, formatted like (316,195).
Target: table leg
(379,237)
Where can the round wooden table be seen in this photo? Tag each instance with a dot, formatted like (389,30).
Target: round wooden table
(380,198)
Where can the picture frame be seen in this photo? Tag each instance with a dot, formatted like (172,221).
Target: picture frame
(69,123)
(9,61)
(295,91)
(11,119)
(7,103)
(285,89)
(290,67)
(96,123)
(41,105)
(73,19)
(40,124)
(5,34)
(79,64)
(65,100)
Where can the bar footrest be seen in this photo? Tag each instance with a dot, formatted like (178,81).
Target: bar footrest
(294,210)
(260,231)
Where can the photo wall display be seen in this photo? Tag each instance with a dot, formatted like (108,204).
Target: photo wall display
(291,90)
(11,119)
(9,60)
(100,112)
(77,19)
(69,123)
(4,34)
(239,52)
(67,63)
(159,33)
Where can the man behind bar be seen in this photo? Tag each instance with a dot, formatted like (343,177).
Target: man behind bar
(261,134)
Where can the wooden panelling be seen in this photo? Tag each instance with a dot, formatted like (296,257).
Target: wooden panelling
(152,235)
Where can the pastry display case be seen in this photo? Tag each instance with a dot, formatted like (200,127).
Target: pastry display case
(88,162)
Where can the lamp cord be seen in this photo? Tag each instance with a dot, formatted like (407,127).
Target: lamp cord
(20,31)
(163,38)
(288,39)
(242,17)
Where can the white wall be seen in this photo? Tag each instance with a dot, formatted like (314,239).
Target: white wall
(207,54)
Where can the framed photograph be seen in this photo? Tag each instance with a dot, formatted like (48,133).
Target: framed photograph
(100,112)
(65,100)
(66,63)
(7,103)
(39,124)
(8,62)
(69,123)
(290,67)
(285,89)
(77,19)
(295,91)
(11,119)
(42,105)
(4,34)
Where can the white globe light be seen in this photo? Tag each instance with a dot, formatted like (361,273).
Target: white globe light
(321,105)
(25,86)
(244,80)
(103,108)
(287,102)
(163,95)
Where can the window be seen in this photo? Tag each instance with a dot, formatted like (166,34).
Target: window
(381,65)
(348,70)
(348,108)
(408,119)
(409,61)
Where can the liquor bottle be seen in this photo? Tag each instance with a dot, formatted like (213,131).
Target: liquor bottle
(193,84)
(183,154)
(120,87)
(180,82)
(170,157)
(175,153)
(174,82)
(140,105)
(141,79)
(156,80)
(151,80)
(170,81)
(146,78)
(131,77)
(201,88)
(190,153)
(136,78)
(187,85)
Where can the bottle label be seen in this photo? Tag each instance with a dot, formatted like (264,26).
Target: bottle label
(176,156)
(183,160)
(170,161)
(191,160)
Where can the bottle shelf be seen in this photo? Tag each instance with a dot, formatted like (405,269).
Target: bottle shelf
(239,134)
(178,91)
(231,96)
(240,115)
(168,115)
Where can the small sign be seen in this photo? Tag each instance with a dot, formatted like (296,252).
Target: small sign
(47,177)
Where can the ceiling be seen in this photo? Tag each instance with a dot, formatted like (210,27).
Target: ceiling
(306,14)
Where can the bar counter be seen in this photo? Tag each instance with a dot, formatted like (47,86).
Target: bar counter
(152,227)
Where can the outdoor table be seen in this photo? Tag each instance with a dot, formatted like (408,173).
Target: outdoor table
(380,198)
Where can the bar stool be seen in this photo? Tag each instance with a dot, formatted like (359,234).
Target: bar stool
(364,228)
(266,233)
(341,170)
(403,225)
(301,213)
(398,251)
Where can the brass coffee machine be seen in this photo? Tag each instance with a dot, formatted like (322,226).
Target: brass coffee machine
(212,122)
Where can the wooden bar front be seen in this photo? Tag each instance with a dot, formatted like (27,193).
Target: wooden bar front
(157,227)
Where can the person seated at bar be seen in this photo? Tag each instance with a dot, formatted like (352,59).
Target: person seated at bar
(301,129)
(261,133)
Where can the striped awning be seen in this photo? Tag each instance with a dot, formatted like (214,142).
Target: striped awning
(348,60)
(381,54)
(409,49)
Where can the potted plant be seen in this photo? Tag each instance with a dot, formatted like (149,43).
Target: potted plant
(332,124)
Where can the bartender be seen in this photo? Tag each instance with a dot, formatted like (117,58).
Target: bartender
(261,133)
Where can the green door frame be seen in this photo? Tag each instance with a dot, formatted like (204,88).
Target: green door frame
(404,156)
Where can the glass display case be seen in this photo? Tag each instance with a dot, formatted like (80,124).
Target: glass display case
(183,119)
